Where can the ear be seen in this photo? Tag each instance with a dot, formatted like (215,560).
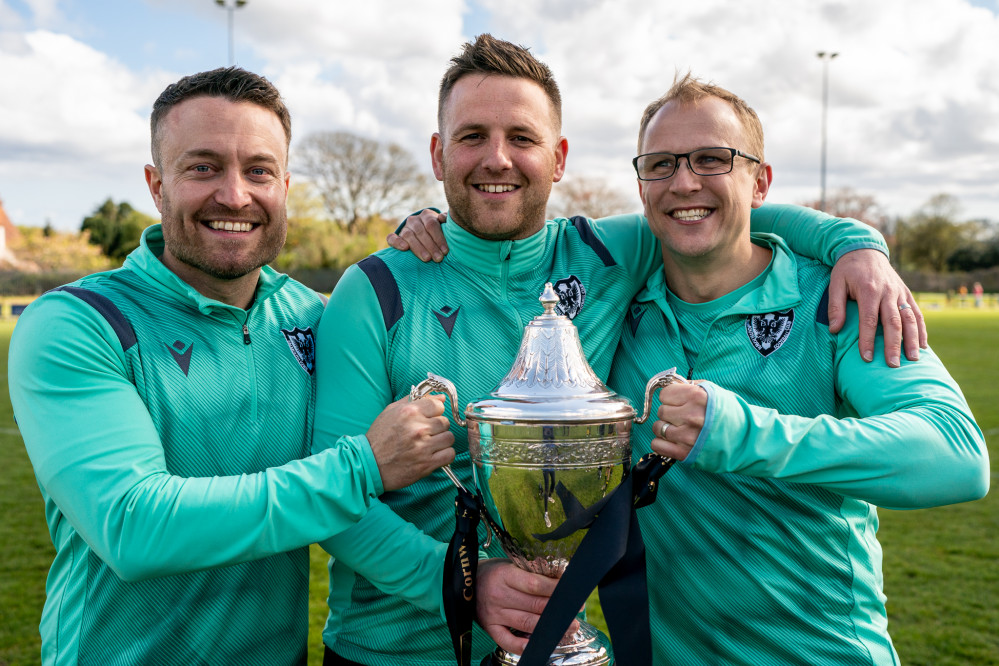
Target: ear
(287,184)
(764,177)
(437,155)
(561,150)
(155,183)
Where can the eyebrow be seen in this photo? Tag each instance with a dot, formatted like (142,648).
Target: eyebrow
(479,127)
(206,153)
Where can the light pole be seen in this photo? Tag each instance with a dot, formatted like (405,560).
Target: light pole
(825,57)
(231,7)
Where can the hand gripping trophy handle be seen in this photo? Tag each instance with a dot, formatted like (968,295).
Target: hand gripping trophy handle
(441,385)
(658,381)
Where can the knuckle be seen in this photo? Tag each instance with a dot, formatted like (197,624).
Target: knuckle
(869,319)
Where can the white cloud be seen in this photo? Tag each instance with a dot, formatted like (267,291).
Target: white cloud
(914,99)
(914,93)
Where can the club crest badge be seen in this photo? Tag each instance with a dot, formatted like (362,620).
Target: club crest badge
(303,347)
(769,331)
(571,296)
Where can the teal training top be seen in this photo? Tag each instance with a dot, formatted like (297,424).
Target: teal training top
(172,461)
(761,545)
(393,318)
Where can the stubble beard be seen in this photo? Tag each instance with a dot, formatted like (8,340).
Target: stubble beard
(527,219)
(224,259)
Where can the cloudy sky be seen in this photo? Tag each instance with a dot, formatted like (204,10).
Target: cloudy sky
(913,94)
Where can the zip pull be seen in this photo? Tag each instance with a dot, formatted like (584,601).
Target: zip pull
(246,334)
(690,373)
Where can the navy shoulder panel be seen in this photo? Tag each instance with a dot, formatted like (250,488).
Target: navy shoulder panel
(586,234)
(822,312)
(108,310)
(386,288)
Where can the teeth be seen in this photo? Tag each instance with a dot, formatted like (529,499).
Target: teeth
(493,189)
(691,214)
(218,225)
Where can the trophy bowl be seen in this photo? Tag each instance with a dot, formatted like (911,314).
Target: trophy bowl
(548,446)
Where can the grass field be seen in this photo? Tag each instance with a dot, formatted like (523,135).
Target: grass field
(941,565)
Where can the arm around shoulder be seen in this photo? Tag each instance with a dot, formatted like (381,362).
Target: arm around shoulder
(815,234)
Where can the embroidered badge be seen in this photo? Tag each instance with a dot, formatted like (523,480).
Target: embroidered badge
(769,331)
(447,316)
(182,354)
(303,347)
(571,296)
(634,318)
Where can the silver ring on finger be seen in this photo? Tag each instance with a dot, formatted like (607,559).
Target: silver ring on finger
(662,431)
(904,306)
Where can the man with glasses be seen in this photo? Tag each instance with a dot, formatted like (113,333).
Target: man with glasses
(762,545)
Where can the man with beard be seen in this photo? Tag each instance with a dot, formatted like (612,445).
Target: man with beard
(791,441)
(167,408)
(498,150)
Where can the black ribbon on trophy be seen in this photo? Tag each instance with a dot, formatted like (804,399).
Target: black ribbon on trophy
(552,419)
(610,557)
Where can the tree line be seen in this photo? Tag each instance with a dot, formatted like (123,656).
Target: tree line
(349,192)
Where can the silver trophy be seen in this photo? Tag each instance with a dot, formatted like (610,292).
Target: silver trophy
(548,444)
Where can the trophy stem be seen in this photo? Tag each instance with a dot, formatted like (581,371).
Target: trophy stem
(586,647)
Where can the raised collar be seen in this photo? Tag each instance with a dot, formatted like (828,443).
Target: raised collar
(778,291)
(488,257)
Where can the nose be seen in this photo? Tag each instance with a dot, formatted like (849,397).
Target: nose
(684,180)
(498,155)
(233,191)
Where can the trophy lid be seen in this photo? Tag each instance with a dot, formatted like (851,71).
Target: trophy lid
(550,379)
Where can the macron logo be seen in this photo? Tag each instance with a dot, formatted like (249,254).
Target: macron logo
(182,354)
(447,316)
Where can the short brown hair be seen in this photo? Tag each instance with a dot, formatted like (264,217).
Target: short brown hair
(488,55)
(231,83)
(689,90)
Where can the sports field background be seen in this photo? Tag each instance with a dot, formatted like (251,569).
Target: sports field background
(941,565)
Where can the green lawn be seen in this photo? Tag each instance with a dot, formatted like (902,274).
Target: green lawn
(941,565)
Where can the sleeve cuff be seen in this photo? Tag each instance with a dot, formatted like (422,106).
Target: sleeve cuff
(861,245)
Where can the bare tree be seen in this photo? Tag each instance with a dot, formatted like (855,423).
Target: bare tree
(358,178)
(592,197)
(847,202)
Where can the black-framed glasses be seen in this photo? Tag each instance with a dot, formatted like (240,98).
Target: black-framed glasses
(703,162)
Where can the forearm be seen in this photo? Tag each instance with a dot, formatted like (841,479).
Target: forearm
(395,556)
(815,234)
(918,457)
(98,455)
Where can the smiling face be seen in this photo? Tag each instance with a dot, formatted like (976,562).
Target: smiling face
(221,188)
(701,217)
(498,153)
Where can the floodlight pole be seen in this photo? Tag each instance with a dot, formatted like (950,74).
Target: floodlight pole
(231,7)
(825,57)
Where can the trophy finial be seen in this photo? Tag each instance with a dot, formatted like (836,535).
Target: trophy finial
(549,298)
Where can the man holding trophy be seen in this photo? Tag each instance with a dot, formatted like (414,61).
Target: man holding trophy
(393,318)
(762,545)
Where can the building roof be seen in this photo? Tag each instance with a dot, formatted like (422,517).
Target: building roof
(7,225)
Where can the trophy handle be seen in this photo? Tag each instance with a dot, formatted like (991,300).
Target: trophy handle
(658,381)
(441,385)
